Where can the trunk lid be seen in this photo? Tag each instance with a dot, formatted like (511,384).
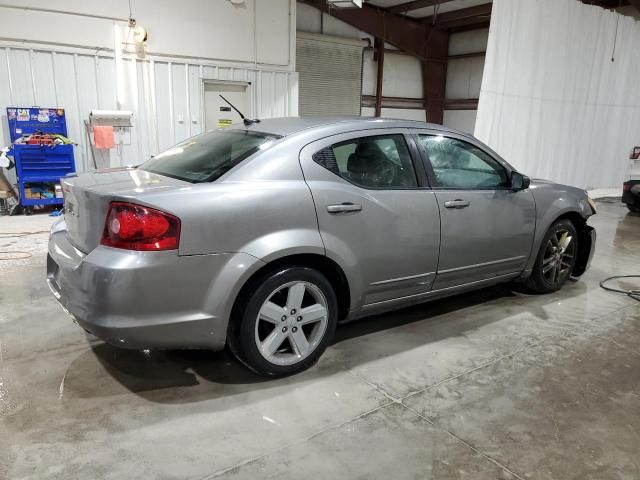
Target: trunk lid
(87,197)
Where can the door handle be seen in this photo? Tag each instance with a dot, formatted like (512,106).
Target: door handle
(458,203)
(344,207)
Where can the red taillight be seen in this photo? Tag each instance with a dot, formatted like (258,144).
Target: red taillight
(626,186)
(134,227)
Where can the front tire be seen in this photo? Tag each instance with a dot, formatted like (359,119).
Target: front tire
(556,258)
(284,321)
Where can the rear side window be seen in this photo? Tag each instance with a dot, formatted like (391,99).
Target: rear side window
(206,157)
(380,162)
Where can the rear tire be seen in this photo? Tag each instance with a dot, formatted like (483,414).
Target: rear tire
(283,321)
(633,208)
(556,258)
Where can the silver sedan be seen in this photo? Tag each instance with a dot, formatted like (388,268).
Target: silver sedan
(264,237)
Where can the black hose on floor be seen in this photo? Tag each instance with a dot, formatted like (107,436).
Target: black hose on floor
(635,294)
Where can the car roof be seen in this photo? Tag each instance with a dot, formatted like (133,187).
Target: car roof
(285,126)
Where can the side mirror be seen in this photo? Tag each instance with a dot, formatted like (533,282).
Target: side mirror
(519,181)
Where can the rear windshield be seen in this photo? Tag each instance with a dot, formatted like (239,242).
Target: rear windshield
(206,157)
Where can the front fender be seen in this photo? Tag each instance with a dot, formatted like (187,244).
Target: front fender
(554,201)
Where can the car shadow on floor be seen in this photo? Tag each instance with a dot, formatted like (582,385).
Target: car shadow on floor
(195,375)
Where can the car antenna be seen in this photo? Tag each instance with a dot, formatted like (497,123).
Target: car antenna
(247,121)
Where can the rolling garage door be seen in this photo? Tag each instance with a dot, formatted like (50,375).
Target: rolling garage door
(330,70)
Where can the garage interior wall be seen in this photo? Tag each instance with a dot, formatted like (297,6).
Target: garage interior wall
(68,58)
(464,75)
(402,75)
(569,114)
(330,74)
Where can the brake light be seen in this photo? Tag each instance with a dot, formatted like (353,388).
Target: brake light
(626,186)
(134,227)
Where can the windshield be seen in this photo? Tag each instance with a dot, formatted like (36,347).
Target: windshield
(206,157)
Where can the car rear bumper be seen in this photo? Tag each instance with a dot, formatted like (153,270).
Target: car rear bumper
(147,299)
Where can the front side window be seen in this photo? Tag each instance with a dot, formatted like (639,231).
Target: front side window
(380,162)
(208,156)
(459,164)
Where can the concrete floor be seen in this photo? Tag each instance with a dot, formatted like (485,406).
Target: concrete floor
(490,385)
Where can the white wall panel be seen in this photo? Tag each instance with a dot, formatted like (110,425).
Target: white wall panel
(254,31)
(369,74)
(464,120)
(51,27)
(5,96)
(195,100)
(20,70)
(145,119)
(464,77)
(44,84)
(180,98)
(335,27)
(308,18)
(106,83)
(165,97)
(402,113)
(63,66)
(163,105)
(472,41)
(85,89)
(402,76)
(272,46)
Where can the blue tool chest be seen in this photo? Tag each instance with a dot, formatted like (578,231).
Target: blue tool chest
(39,167)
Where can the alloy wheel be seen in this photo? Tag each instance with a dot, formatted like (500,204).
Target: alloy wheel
(558,256)
(291,323)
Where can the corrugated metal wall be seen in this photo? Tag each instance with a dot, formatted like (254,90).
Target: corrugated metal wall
(165,97)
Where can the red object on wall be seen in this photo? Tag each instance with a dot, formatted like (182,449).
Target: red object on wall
(103,137)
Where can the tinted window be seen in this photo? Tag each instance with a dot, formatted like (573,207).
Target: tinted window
(459,164)
(381,161)
(206,157)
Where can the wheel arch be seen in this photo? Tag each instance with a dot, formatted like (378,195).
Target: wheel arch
(544,224)
(574,216)
(329,268)
(585,240)
(578,219)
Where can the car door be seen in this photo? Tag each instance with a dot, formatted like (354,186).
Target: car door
(377,217)
(487,227)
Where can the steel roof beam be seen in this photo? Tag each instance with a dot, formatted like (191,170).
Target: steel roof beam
(402,32)
(462,17)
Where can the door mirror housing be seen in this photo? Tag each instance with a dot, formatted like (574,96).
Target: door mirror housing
(519,181)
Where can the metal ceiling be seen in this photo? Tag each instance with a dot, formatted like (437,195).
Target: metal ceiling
(442,6)
(432,8)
